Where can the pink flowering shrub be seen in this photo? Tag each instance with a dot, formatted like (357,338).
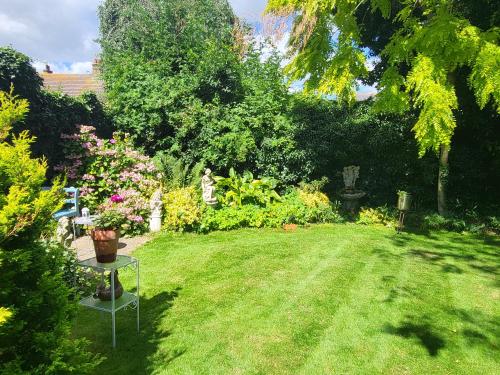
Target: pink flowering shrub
(111,174)
(134,206)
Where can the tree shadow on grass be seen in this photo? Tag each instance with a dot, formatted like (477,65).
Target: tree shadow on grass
(454,253)
(448,257)
(385,253)
(135,353)
(478,328)
(421,331)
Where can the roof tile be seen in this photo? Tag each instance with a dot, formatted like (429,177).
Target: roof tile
(72,84)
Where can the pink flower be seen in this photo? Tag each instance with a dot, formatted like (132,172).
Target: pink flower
(136,218)
(116,198)
(112,141)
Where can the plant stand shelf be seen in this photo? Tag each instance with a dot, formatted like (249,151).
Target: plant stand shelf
(114,305)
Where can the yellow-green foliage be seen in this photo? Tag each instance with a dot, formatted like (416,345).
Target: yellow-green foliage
(11,111)
(436,100)
(326,67)
(4,315)
(376,216)
(35,339)
(22,203)
(314,199)
(182,209)
(432,38)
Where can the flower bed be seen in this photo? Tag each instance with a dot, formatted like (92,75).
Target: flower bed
(246,202)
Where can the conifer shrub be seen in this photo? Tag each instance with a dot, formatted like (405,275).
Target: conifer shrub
(36,308)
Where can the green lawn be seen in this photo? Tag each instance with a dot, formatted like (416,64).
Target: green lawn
(333,299)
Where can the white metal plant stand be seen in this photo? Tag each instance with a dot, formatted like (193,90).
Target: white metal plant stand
(114,305)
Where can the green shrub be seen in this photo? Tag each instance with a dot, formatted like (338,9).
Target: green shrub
(377,216)
(232,217)
(81,281)
(35,339)
(493,223)
(297,207)
(181,209)
(51,113)
(438,222)
(315,185)
(175,173)
(237,190)
(320,209)
(468,222)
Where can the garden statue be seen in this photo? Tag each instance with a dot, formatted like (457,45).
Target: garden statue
(63,231)
(155,205)
(208,188)
(350,195)
(350,175)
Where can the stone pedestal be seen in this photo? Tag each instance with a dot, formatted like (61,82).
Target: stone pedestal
(350,195)
(156,206)
(155,224)
(350,201)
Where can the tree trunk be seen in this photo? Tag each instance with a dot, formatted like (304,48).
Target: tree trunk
(444,151)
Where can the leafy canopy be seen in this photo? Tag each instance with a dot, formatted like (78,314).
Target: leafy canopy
(161,55)
(428,41)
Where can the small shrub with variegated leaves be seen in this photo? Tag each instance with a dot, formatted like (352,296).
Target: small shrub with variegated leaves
(319,207)
(181,209)
(377,216)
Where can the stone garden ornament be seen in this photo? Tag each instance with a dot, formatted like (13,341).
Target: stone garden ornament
(156,205)
(64,233)
(350,195)
(208,188)
(350,174)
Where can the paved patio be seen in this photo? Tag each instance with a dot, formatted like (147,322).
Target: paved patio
(85,248)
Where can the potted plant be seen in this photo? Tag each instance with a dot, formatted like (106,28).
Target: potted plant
(404,201)
(289,224)
(106,234)
(289,227)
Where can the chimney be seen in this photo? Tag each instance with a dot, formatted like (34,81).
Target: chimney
(96,66)
(47,69)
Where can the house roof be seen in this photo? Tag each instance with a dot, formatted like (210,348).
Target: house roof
(360,96)
(72,84)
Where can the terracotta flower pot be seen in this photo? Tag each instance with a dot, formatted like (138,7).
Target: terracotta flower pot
(290,227)
(105,244)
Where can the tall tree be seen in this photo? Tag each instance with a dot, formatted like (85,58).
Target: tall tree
(161,55)
(422,45)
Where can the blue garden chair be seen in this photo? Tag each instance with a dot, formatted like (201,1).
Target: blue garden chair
(71,208)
